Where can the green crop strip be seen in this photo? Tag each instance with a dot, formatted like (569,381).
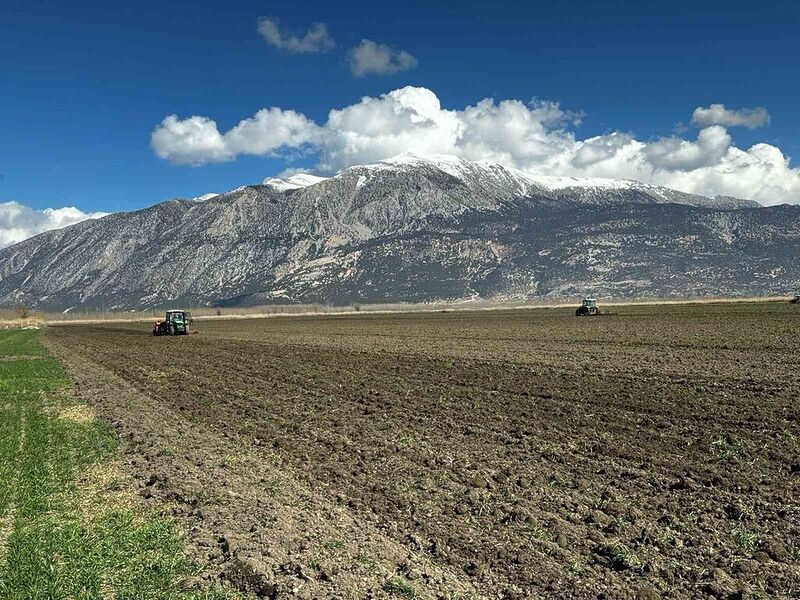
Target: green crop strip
(52,544)
(20,342)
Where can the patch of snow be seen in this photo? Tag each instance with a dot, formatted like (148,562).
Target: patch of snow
(453,165)
(295,182)
(204,197)
(554,182)
(460,167)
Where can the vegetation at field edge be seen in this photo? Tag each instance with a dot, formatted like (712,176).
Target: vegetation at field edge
(63,533)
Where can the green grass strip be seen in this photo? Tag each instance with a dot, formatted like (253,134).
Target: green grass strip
(49,549)
(20,342)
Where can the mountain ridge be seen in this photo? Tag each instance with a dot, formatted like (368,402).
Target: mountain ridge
(410,229)
(459,167)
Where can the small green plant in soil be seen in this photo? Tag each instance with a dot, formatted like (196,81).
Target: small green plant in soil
(749,541)
(574,567)
(399,587)
(726,448)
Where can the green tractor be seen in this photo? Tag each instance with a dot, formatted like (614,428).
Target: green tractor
(588,308)
(176,322)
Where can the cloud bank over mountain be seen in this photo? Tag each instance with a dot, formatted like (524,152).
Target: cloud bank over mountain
(535,137)
(19,222)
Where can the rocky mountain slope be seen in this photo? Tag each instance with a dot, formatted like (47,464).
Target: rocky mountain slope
(410,229)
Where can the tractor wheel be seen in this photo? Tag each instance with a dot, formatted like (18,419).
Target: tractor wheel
(172,329)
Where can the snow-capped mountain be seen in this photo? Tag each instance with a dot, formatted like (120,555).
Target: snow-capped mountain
(412,228)
(593,190)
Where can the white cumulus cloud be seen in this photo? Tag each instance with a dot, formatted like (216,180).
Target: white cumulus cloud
(316,38)
(371,58)
(717,114)
(19,222)
(197,140)
(676,154)
(536,137)
(192,141)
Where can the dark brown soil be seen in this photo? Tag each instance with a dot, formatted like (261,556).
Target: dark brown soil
(509,454)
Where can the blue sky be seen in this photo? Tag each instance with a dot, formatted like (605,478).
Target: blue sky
(83,84)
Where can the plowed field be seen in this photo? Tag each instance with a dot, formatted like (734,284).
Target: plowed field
(504,454)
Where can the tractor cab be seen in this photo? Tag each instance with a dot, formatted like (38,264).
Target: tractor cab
(178,316)
(588,307)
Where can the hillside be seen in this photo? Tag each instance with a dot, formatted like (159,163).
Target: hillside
(411,229)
